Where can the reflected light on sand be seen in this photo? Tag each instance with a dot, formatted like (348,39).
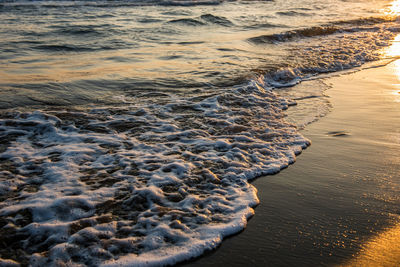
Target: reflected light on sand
(396,93)
(397,71)
(382,250)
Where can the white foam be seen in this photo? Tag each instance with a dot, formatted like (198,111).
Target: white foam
(346,48)
(111,187)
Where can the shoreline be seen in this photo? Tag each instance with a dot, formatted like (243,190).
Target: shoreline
(340,198)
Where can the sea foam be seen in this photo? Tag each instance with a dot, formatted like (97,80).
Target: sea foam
(140,184)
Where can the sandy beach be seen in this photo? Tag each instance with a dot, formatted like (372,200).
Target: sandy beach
(339,203)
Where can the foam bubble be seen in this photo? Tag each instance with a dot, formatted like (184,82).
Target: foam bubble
(140,184)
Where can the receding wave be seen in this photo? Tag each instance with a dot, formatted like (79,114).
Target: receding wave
(152,184)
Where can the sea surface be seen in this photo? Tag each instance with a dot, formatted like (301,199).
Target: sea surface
(129,130)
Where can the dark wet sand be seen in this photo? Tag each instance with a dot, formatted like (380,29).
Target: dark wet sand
(340,202)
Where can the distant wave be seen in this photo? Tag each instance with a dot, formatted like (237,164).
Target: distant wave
(58,3)
(293,13)
(81,29)
(216,19)
(316,31)
(288,36)
(187,21)
(203,20)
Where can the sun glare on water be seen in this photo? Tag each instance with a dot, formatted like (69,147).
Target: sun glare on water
(393,52)
(393,9)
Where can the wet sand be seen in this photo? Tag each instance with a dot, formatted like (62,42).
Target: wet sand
(339,203)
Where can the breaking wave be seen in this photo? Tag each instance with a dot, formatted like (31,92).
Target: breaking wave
(327,49)
(318,31)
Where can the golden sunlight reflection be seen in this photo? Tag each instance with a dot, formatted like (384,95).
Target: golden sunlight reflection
(394,8)
(382,250)
(397,70)
(396,93)
(394,52)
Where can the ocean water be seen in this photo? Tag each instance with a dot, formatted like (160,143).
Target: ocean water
(129,130)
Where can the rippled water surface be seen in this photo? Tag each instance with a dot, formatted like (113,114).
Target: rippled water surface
(129,129)
(68,53)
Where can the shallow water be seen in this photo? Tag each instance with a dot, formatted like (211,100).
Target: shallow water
(73,53)
(130,129)
(339,204)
